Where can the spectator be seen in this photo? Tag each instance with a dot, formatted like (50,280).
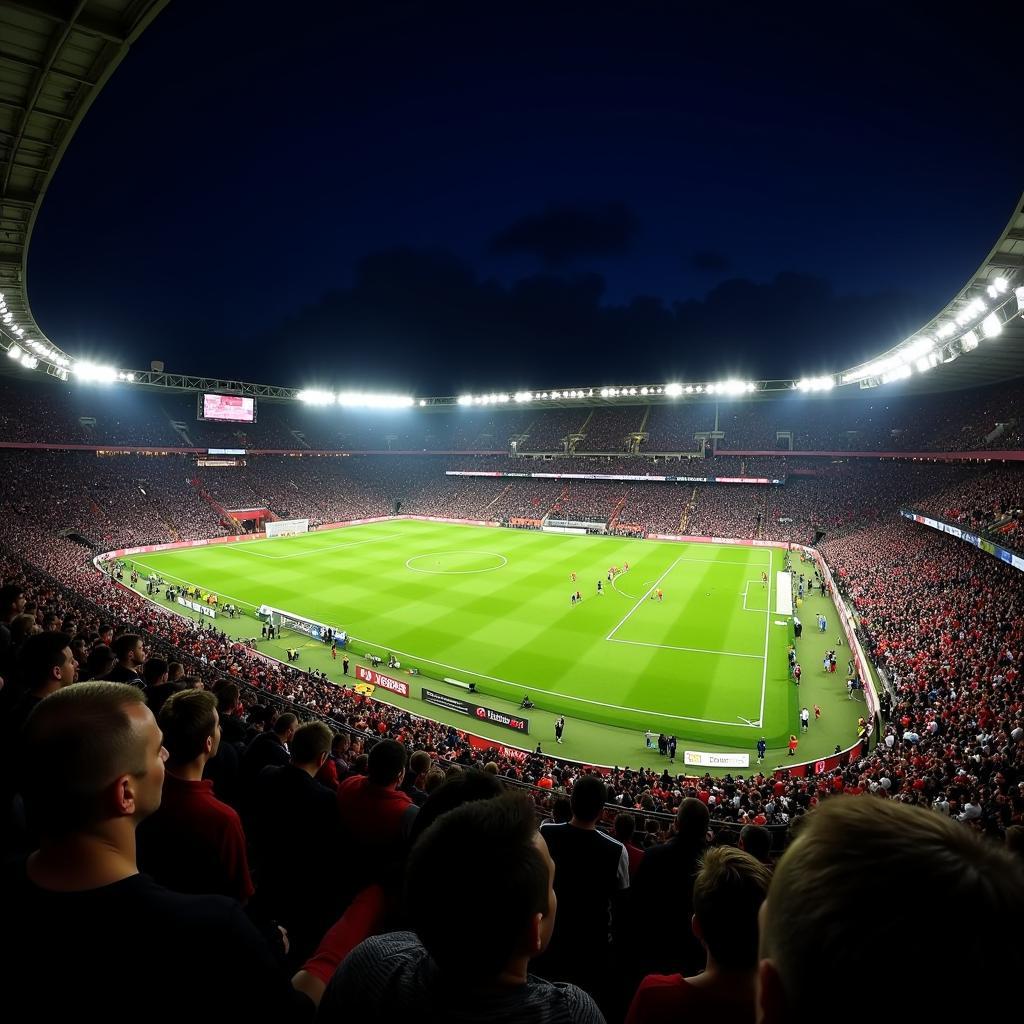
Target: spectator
(432,972)
(296,844)
(131,655)
(625,825)
(98,663)
(661,902)
(591,870)
(727,896)
(336,768)
(757,841)
(815,911)
(93,769)
(194,842)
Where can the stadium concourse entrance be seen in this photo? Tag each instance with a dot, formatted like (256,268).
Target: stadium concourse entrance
(250,520)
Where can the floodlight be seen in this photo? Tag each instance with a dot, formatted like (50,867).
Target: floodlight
(991,326)
(1001,284)
(14,352)
(675,390)
(969,341)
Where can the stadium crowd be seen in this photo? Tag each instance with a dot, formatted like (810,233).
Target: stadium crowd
(306,832)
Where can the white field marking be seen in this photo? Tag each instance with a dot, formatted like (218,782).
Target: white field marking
(673,647)
(767,627)
(622,593)
(473,672)
(640,600)
(746,594)
(311,551)
(456,572)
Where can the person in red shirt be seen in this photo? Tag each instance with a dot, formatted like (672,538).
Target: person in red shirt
(625,826)
(193,843)
(792,746)
(727,897)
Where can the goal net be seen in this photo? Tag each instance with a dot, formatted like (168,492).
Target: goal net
(287,527)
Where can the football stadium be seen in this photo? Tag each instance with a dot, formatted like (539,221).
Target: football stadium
(636,687)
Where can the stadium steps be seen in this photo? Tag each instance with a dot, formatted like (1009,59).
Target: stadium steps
(685,517)
(616,512)
(496,499)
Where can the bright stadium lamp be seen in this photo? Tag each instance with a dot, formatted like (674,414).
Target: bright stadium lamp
(14,352)
(969,342)
(991,326)
(316,397)
(1001,284)
(675,390)
(1019,292)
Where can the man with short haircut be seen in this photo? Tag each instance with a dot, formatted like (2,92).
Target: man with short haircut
(415,777)
(591,870)
(727,896)
(44,664)
(154,673)
(131,655)
(375,814)
(960,894)
(757,841)
(269,747)
(625,826)
(194,842)
(661,899)
(296,842)
(433,972)
(92,769)
(12,604)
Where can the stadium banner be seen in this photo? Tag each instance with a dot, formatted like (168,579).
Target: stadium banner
(368,675)
(634,477)
(463,707)
(198,606)
(287,527)
(703,759)
(988,546)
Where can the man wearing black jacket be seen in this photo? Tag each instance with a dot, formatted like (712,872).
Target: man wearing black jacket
(92,769)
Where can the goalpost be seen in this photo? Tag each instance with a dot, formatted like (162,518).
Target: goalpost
(287,527)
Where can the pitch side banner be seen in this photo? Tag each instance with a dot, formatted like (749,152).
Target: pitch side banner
(623,476)
(988,546)
(367,675)
(463,707)
(708,760)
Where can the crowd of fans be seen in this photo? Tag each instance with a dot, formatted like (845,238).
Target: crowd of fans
(48,412)
(264,786)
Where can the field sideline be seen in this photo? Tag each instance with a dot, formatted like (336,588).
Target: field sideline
(490,606)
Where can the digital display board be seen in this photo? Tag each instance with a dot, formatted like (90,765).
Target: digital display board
(227,408)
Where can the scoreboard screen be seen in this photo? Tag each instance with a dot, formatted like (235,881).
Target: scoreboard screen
(227,408)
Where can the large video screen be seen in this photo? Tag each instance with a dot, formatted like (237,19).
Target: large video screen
(227,408)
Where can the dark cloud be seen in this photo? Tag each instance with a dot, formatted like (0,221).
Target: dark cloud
(426,321)
(707,261)
(563,233)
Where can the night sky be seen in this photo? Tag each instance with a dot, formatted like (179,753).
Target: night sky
(437,197)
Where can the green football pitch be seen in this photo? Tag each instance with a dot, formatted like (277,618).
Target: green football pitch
(706,663)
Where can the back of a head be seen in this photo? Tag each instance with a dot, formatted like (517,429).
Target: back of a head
(757,841)
(561,810)
(154,671)
(188,718)
(99,662)
(957,895)
(419,762)
(727,895)
(493,842)
(625,826)
(284,723)
(311,743)
(589,795)
(227,699)
(386,762)
(77,741)
(692,820)
(39,656)
(456,791)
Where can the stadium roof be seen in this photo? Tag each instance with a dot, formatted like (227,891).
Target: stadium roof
(55,57)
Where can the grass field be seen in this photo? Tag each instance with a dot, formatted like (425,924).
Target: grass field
(492,607)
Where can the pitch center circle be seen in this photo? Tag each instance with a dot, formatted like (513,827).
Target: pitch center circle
(456,563)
